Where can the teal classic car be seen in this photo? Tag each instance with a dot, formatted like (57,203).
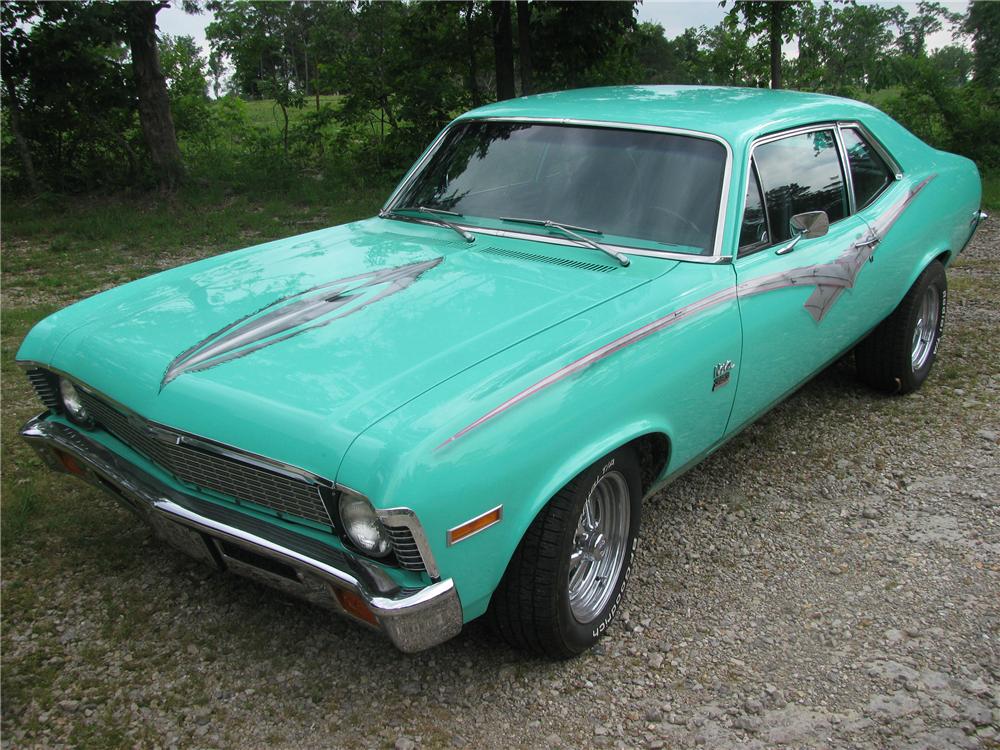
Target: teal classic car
(455,408)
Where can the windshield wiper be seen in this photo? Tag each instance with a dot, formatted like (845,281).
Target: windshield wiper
(393,213)
(572,231)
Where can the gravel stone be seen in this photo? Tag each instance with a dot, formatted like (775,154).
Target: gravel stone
(828,579)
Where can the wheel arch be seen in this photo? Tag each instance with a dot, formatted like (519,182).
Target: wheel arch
(939,253)
(653,452)
(652,446)
(944,258)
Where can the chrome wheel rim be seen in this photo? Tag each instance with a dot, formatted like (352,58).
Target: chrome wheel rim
(925,330)
(599,546)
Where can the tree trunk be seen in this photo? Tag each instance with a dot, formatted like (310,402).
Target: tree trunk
(775,40)
(284,129)
(503,48)
(151,89)
(305,53)
(470,40)
(524,46)
(15,128)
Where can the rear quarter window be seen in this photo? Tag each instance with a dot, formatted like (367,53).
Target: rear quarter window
(870,174)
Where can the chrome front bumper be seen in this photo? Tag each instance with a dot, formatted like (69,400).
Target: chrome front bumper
(412,619)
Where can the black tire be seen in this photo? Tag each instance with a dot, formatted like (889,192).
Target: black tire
(885,359)
(531,609)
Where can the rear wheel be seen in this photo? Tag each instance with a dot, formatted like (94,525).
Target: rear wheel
(565,583)
(898,355)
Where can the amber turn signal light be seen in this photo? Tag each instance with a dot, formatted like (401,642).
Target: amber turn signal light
(355,606)
(474,526)
(69,463)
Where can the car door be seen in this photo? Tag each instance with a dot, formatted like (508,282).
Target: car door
(881,195)
(797,298)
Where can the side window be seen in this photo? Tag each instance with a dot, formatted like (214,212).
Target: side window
(801,173)
(753,230)
(869,172)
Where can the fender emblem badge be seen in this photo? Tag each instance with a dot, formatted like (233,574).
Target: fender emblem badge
(721,374)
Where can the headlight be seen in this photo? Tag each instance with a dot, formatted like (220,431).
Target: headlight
(363,527)
(73,404)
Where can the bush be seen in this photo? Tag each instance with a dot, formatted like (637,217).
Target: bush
(964,119)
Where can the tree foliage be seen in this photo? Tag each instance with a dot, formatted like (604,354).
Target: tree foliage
(361,85)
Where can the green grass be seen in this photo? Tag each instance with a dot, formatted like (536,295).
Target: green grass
(68,247)
(265,113)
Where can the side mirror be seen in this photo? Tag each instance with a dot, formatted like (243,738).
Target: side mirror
(810,224)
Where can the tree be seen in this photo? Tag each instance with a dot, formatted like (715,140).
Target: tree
(954,62)
(67,84)
(859,56)
(729,58)
(151,91)
(503,49)
(914,29)
(183,66)
(13,52)
(982,23)
(579,44)
(474,32)
(771,19)
(216,68)
(524,45)
(813,26)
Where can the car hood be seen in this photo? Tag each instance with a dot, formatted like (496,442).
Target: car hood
(291,349)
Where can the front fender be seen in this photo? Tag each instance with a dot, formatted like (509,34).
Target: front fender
(423,456)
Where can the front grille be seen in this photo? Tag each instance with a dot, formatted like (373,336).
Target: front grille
(405,548)
(229,476)
(46,385)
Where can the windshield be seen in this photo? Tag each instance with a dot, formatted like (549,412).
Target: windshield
(638,188)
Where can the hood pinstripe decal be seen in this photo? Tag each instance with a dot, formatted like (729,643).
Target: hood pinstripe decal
(830,280)
(292,315)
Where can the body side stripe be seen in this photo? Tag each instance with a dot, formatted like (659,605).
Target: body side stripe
(830,280)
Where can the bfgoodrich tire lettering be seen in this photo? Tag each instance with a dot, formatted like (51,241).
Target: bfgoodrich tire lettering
(898,355)
(551,599)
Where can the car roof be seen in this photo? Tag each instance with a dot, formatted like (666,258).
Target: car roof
(734,114)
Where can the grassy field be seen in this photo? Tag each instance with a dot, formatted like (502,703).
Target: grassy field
(66,247)
(265,113)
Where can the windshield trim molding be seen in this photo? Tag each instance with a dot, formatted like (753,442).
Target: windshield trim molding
(716,256)
(567,242)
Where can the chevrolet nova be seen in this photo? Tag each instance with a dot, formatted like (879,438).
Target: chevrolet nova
(456,408)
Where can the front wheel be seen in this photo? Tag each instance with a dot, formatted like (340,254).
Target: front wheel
(898,355)
(565,582)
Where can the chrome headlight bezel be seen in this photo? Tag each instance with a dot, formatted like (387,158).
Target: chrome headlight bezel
(362,527)
(72,404)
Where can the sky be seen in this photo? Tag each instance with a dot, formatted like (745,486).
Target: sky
(673,15)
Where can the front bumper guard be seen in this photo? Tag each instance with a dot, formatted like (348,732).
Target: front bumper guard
(412,619)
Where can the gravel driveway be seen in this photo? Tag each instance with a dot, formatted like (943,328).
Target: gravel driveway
(831,578)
